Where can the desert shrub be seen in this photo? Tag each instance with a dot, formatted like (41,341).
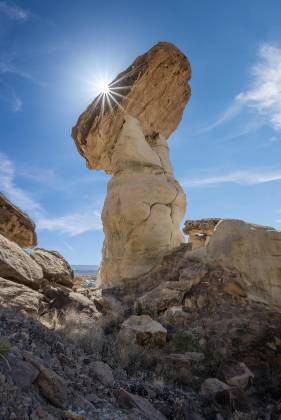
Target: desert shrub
(185,341)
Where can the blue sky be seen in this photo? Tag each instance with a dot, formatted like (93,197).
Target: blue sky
(226,152)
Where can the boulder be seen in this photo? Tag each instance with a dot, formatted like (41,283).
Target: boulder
(17,265)
(125,133)
(22,373)
(200,231)
(184,360)
(20,298)
(55,268)
(16,225)
(238,375)
(102,372)
(51,385)
(143,330)
(251,250)
(127,400)
(213,387)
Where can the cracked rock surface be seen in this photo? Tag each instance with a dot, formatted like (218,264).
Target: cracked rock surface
(144,204)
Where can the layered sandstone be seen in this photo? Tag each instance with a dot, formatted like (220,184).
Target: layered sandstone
(125,133)
(16,225)
(200,231)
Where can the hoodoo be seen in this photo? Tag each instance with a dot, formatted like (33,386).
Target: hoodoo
(124,132)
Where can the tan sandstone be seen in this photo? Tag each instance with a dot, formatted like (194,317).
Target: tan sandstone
(16,225)
(17,265)
(128,139)
(143,330)
(251,250)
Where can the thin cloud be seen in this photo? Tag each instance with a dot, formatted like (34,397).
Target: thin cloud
(242,177)
(265,94)
(9,96)
(71,224)
(13,11)
(7,185)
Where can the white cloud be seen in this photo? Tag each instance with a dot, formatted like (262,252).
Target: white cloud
(265,94)
(71,224)
(243,177)
(13,11)
(7,185)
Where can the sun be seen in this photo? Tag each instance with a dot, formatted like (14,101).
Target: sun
(103,87)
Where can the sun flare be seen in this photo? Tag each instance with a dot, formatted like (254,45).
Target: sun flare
(103,86)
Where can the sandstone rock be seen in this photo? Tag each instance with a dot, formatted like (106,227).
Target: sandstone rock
(23,373)
(19,297)
(16,225)
(171,293)
(63,298)
(51,385)
(102,372)
(212,387)
(128,139)
(200,231)
(17,265)
(239,375)
(127,400)
(254,251)
(143,330)
(55,268)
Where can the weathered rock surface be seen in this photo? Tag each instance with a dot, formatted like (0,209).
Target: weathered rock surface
(143,330)
(144,204)
(254,252)
(200,231)
(102,372)
(16,225)
(52,386)
(55,268)
(19,297)
(127,400)
(18,266)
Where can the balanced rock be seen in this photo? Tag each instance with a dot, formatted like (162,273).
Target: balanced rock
(55,268)
(16,225)
(20,297)
(17,265)
(251,250)
(143,330)
(125,133)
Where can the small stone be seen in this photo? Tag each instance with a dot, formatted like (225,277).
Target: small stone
(70,415)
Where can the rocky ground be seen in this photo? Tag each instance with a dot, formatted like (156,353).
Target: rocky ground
(196,338)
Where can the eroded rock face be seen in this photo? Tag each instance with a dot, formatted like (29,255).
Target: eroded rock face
(16,225)
(128,139)
(254,252)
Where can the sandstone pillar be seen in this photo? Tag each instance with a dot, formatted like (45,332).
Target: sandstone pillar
(125,133)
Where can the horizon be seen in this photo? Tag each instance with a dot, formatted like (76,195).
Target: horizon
(225,152)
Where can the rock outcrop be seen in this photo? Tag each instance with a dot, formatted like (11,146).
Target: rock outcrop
(16,225)
(143,330)
(20,298)
(253,252)
(200,231)
(55,268)
(17,265)
(125,133)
